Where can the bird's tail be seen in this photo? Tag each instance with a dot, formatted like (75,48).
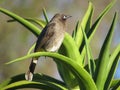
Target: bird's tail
(29,74)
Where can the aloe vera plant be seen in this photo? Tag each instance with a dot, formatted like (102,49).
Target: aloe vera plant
(97,74)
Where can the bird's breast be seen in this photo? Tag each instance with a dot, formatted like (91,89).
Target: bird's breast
(54,43)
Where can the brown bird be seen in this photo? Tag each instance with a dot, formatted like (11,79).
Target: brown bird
(49,40)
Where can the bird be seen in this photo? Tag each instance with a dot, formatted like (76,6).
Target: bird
(49,40)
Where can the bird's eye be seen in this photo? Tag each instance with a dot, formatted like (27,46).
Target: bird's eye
(64,17)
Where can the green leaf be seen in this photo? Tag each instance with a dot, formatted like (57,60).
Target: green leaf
(37,21)
(101,69)
(85,25)
(98,20)
(34,20)
(21,20)
(28,84)
(91,63)
(71,50)
(40,81)
(79,72)
(112,65)
(94,27)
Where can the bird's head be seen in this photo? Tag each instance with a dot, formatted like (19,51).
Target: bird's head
(61,17)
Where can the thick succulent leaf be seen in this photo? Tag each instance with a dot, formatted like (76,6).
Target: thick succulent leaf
(39,22)
(28,84)
(85,25)
(34,20)
(78,71)
(21,20)
(98,20)
(71,49)
(112,65)
(20,84)
(40,81)
(94,27)
(101,69)
(91,62)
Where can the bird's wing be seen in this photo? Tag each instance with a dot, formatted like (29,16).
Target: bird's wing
(46,33)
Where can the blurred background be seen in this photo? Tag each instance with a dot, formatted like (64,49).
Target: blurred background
(15,40)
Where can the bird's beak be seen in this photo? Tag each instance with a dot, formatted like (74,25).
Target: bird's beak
(65,17)
(68,16)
